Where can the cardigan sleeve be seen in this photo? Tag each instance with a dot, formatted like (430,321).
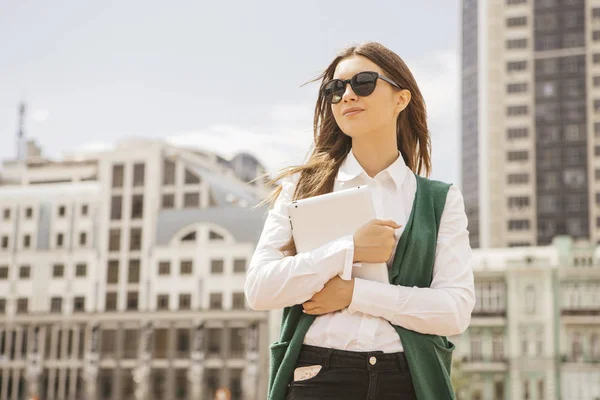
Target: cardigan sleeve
(445,307)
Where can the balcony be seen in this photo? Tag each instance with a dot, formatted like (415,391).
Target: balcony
(484,364)
(580,316)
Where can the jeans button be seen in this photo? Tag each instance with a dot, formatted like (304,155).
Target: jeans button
(372,360)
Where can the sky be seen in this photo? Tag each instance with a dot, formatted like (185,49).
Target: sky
(224,76)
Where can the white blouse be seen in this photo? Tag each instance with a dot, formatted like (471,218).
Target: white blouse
(274,281)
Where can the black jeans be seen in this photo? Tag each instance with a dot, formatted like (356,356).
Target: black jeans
(351,375)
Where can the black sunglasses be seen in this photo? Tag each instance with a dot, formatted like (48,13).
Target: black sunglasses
(363,84)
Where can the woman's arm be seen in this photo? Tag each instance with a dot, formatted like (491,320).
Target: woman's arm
(445,307)
(274,281)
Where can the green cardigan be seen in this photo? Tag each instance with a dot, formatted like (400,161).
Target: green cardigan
(429,356)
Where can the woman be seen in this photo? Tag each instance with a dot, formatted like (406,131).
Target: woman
(349,338)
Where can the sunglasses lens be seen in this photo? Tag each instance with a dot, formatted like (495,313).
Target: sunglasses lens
(333,91)
(363,83)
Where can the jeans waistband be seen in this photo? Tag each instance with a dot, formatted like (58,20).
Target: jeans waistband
(368,360)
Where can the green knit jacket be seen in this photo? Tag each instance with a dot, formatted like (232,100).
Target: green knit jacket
(429,356)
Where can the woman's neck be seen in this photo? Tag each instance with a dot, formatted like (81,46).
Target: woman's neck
(375,155)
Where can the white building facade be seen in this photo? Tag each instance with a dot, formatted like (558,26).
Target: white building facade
(122,275)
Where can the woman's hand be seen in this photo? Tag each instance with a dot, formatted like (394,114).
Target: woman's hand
(374,241)
(335,295)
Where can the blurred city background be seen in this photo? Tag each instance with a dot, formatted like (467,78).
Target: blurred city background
(131,132)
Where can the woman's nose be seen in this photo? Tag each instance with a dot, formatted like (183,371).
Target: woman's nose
(349,93)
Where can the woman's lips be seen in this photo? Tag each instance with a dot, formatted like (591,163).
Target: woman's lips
(351,113)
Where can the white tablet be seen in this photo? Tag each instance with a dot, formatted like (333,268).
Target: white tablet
(318,220)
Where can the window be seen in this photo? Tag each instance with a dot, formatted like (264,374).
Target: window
(115,207)
(2,310)
(22,305)
(595,13)
(81,270)
(168,173)
(513,66)
(190,237)
(137,206)
(191,178)
(216,266)
(191,200)
(238,301)
(541,391)
(520,155)
(517,133)
(114,240)
(214,341)
(526,391)
(216,301)
(498,390)
(516,21)
(595,346)
(518,225)
(530,299)
(58,270)
(596,35)
(516,87)
(185,301)
(84,210)
(183,343)
(135,239)
(185,267)
(79,304)
(214,236)
(162,302)
(239,265)
(516,43)
(540,344)
(111,301)
(5,242)
(6,214)
(3,272)
(24,272)
(132,300)
(168,201)
(134,271)
(112,272)
(60,240)
(56,304)
(498,347)
(117,176)
(138,174)
(513,2)
(82,239)
(476,347)
(517,110)
(518,201)
(164,268)
(236,342)
(28,213)
(62,211)
(577,346)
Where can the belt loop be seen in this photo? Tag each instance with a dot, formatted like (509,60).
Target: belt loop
(402,363)
(327,358)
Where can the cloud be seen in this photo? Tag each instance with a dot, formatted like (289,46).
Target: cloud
(285,136)
(40,115)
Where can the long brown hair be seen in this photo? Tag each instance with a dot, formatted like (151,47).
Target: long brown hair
(331,145)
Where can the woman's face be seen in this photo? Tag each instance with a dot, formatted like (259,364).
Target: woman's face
(380,109)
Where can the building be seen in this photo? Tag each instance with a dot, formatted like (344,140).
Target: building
(535,329)
(530,120)
(122,275)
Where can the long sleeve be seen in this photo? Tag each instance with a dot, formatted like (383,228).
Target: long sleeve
(274,280)
(445,307)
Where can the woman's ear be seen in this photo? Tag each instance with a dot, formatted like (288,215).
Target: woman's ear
(403,99)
